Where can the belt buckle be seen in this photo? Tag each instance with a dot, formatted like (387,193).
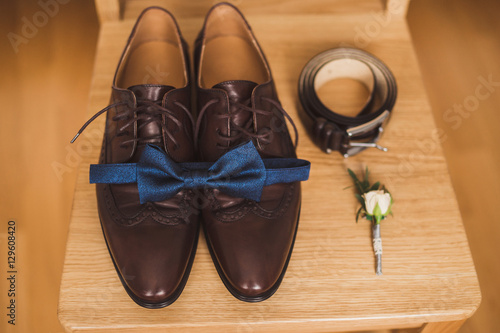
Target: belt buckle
(354,148)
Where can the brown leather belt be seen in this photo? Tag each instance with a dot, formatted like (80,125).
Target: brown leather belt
(332,131)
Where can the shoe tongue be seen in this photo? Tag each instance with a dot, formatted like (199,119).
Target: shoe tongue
(238,92)
(152,93)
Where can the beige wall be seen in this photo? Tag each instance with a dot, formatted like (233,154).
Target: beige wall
(44,91)
(458,43)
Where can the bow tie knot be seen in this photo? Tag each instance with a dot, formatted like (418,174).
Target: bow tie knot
(195,178)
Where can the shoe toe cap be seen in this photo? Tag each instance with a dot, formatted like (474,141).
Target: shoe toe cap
(251,261)
(145,291)
(260,286)
(153,260)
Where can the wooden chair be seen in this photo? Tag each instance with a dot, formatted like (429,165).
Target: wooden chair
(429,281)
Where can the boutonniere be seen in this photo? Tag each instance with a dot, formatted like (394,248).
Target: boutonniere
(376,205)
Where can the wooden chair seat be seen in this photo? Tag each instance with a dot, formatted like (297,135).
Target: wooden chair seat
(429,279)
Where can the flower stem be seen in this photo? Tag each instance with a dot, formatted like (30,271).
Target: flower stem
(377,247)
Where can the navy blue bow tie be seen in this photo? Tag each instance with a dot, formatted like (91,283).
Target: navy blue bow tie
(241,173)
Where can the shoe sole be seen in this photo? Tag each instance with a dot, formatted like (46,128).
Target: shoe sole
(176,293)
(233,291)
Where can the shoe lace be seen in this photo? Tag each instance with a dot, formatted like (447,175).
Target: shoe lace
(148,112)
(264,135)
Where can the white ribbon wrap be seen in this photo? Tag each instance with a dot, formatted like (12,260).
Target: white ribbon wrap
(377,245)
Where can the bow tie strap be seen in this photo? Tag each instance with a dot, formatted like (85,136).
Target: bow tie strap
(286,170)
(278,170)
(240,172)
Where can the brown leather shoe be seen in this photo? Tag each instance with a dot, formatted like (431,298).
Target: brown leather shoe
(250,242)
(153,244)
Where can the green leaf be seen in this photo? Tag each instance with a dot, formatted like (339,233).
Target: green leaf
(365,185)
(356,181)
(360,199)
(358,213)
(375,186)
(352,174)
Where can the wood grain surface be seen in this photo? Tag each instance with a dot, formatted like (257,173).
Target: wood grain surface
(444,327)
(199,8)
(330,284)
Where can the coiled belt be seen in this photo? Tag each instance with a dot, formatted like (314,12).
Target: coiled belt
(332,131)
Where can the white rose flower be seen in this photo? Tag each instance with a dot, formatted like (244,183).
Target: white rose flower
(380,198)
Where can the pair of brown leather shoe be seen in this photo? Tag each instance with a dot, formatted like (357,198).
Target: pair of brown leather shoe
(153,244)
